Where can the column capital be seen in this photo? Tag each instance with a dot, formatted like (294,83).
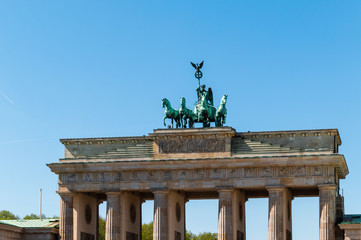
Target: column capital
(160,191)
(327,187)
(113,193)
(66,196)
(275,188)
(65,193)
(225,189)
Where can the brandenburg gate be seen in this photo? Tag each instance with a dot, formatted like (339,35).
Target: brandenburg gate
(174,165)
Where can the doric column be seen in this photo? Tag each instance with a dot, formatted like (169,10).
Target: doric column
(279,213)
(239,214)
(160,223)
(97,218)
(225,218)
(112,229)
(66,216)
(327,196)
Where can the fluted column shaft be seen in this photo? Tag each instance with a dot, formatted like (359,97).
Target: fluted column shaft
(225,218)
(327,197)
(112,229)
(160,223)
(66,216)
(279,213)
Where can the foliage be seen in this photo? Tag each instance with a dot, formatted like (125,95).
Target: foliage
(190,235)
(147,231)
(6,215)
(101,228)
(201,236)
(207,236)
(34,216)
(147,234)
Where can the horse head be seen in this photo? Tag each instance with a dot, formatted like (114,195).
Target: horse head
(165,103)
(204,108)
(224,99)
(183,102)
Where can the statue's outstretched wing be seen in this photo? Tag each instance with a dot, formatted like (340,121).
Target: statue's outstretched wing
(201,65)
(210,96)
(195,66)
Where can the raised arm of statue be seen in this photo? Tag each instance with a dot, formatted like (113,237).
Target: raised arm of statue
(199,95)
(210,96)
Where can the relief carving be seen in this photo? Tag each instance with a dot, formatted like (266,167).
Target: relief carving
(317,171)
(266,172)
(199,174)
(151,176)
(72,178)
(232,173)
(192,145)
(300,171)
(167,175)
(249,172)
(216,173)
(282,172)
(195,174)
(182,175)
(104,177)
(134,176)
(118,177)
(88,177)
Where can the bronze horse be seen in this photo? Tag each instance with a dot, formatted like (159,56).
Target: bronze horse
(170,113)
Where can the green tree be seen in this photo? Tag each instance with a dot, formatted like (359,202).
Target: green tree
(147,231)
(190,235)
(207,236)
(201,236)
(101,229)
(6,215)
(34,216)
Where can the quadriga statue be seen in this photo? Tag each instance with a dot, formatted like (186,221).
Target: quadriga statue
(204,111)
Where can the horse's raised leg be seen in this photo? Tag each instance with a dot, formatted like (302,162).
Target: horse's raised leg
(164,121)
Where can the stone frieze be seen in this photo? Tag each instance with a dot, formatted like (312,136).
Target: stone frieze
(192,145)
(197,174)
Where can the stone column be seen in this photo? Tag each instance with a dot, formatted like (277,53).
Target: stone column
(66,216)
(176,215)
(131,223)
(160,223)
(327,197)
(112,229)
(225,218)
(279,213)
(97,218)
(239,214)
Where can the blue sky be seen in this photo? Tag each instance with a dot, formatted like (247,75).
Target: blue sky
(100,68)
